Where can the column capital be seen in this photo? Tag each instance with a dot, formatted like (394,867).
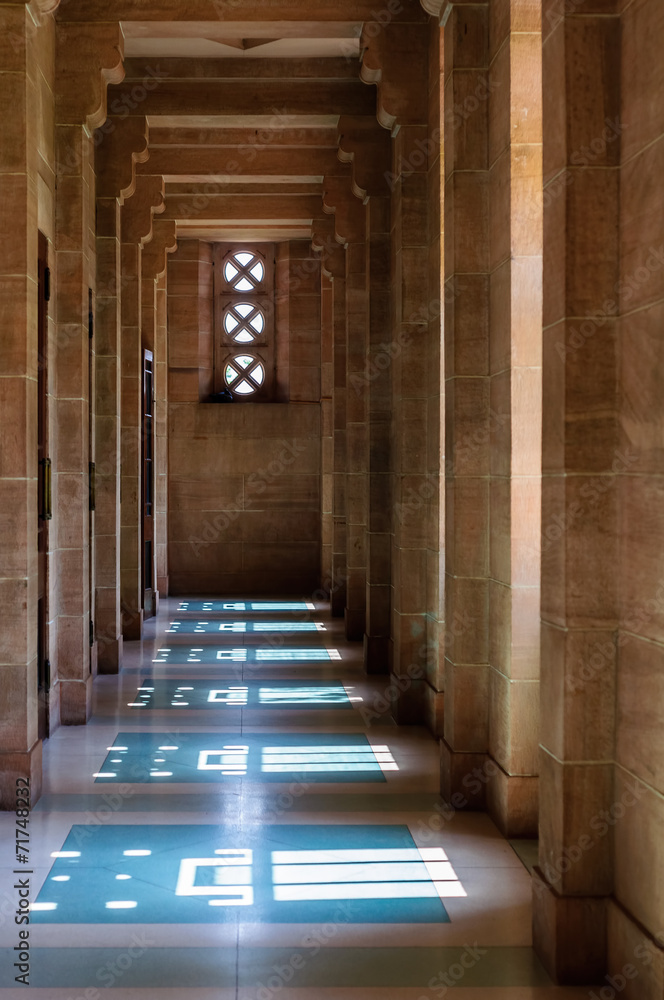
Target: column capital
(121,143)
(138,211)
(88,57)
(324,242)
(42,7)
(402,98)
(164,241)
(349,217)
(367,147)
(437,8)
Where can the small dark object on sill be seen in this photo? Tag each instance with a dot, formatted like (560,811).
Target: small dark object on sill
(222,397)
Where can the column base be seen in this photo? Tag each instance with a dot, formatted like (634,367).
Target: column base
(132,625)
(635,959)
(53,703)
(13,766)
(109,656)
(513,802)
(463,778)
(409,704)
(434,708)
(354,621)
(162,585)
(376,654)
(338,602)
(569,934)
(75,702)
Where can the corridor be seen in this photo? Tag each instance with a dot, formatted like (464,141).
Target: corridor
(242,820)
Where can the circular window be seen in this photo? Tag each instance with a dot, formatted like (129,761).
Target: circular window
(244,374)
(244,322)
(244,271)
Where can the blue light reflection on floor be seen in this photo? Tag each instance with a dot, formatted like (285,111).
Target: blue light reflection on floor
(268,874)
(217,627)
(226,606)
(253,694)
(242,654)
(160,758)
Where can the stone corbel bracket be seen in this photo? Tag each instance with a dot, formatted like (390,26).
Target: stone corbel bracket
(138,211)
(155,253)
(120,144)
(41,8)
(437,8)
(324,242)
(401,97)
(88,57)
(367,147)
(349,218)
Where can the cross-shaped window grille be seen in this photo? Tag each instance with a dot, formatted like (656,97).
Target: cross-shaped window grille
(244,320)
(244,272)
(244,374)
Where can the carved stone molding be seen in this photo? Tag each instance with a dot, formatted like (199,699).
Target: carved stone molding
(120,143)
(41,8)
(138,211)
(349,217)
(402,96)
(367,147)
(435,7)
(88,57)
(155,253)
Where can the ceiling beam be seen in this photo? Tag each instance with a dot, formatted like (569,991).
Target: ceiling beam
(280,100)
(233,161)
(247,187)
(227,10)
(208,138)
(250,208)
(242,69)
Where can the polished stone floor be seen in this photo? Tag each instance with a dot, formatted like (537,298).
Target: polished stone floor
(241,820)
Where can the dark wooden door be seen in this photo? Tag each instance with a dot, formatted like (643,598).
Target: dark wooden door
(44,488)
(148,485)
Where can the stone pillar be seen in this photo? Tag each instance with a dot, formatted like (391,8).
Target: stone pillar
(136,224)
(120,144)
(635,918)
(161,432)
(327,428)
(352,225)
(466,296)
(379,390)
(154,338)
(433,498)
(402,102)
(336,264)
(87,58)
(515,407)
(367,147)
(582,291)
(20,747)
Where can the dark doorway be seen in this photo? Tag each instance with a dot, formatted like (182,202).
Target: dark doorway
(147,437)
(44,490)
